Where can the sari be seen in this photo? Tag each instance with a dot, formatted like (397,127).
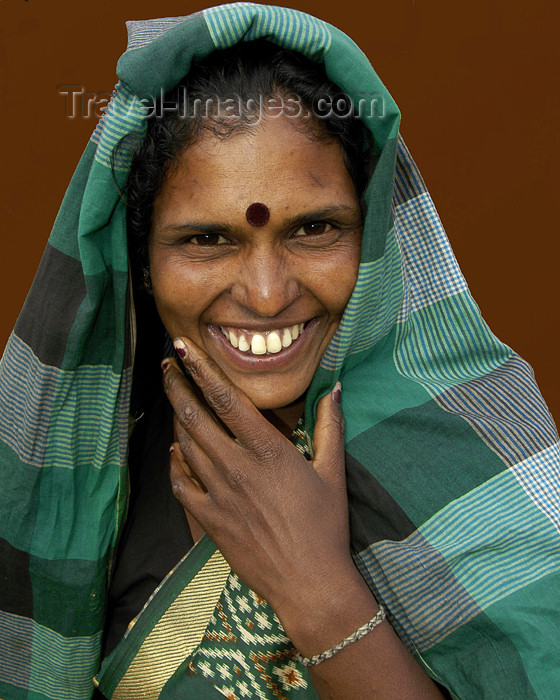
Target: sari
(453,468)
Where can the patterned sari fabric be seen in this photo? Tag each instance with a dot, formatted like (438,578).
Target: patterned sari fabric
(452,458)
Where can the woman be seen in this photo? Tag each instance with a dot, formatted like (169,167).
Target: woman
(452,514)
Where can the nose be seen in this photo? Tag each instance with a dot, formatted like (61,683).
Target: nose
(267,282)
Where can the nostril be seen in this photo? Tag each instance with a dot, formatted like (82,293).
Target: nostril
(266,295)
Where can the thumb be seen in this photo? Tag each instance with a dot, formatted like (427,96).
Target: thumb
(328,438)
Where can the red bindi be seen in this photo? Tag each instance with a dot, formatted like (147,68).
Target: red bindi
(257,214)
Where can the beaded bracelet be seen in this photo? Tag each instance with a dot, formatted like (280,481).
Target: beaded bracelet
(354,637)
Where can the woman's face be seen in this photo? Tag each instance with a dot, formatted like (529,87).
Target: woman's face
(263,302)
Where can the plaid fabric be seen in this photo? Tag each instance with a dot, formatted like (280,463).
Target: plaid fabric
(453,460)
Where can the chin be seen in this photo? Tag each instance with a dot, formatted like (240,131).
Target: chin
(271,397)
(264,403)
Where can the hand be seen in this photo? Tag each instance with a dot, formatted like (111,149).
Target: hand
(282,524)
(279,520)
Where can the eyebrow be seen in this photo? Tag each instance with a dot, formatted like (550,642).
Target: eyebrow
(290,222)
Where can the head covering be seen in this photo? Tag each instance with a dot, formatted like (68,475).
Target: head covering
(452,458)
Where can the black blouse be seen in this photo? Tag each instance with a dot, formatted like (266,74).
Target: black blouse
(156,534)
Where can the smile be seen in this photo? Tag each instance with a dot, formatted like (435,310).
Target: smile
(269,342)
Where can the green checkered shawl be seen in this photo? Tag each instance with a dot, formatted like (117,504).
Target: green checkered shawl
(452,457)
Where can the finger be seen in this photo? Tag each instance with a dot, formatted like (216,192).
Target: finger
(329,438)
(196,420)
(193,459)
(179,459)
(231,404)
(186,489)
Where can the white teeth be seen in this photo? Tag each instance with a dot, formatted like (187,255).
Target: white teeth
(258,345)
(273,342)
(270,342)
(243,344)
(286,338)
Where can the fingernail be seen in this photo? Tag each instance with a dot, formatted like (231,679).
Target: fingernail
(180,347)
(172,449)
(165,365)
(336,393)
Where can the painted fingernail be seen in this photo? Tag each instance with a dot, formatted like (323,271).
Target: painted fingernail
(336,393)
(180,347)
(165,365)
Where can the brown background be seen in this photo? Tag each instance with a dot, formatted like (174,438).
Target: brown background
(477,86)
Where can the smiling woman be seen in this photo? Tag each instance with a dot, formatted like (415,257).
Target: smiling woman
(260,284)
(268,283)
(343,486)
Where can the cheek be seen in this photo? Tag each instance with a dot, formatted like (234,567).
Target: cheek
(339,280)
(178,294)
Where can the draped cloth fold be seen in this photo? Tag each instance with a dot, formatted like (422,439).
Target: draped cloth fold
(452,457)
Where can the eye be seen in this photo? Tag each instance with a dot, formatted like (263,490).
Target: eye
(313,228)
(207,239)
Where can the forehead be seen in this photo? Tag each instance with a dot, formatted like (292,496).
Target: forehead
(275,162)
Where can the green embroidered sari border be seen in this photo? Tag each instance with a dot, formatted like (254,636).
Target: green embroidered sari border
(116,664)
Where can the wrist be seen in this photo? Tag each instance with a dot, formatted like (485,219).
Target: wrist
(320,615)
(360,633)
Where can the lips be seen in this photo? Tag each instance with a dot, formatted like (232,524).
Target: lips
(262,342)
(219,336)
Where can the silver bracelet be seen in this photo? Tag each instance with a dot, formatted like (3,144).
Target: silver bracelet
(377,619)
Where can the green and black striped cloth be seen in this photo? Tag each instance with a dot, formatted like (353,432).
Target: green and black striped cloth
(453,459)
